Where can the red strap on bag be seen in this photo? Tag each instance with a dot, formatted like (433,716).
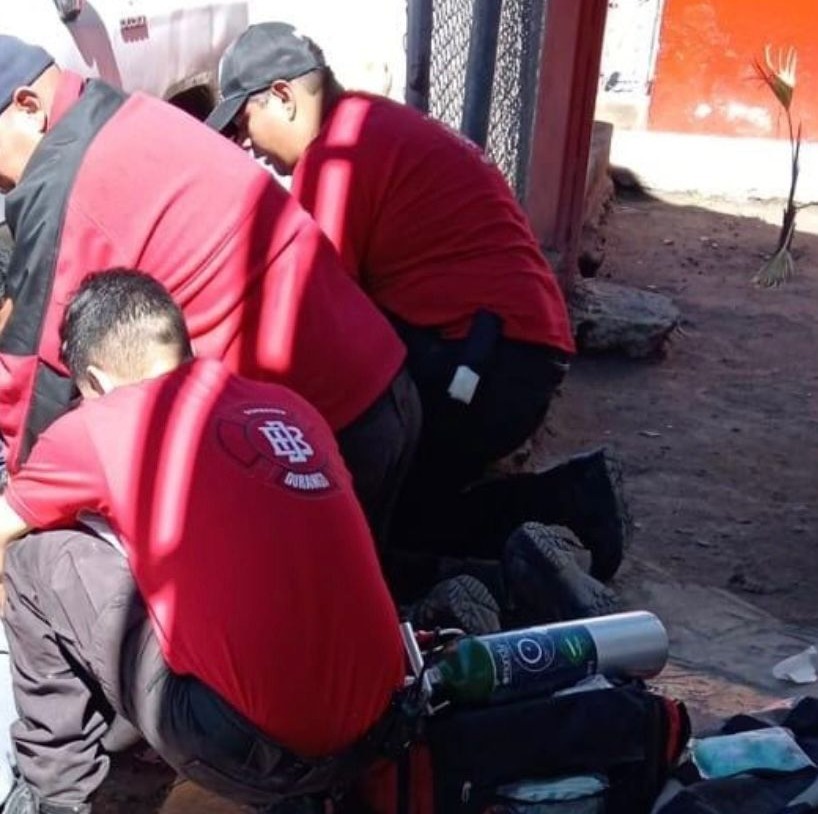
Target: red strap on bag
(380,787)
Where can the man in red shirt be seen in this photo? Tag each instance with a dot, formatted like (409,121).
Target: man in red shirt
(431,231)
(237,617)
(98,179)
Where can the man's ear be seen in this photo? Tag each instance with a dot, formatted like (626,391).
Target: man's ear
(26,100)
(284,93)
(96,382)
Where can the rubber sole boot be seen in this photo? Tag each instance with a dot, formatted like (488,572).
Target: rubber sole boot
(546,584)
(461,602)
(411,575)
(584,493)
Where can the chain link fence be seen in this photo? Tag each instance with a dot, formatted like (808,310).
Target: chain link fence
(451,34)
(514,89)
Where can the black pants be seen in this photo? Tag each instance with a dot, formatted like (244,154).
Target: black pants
(518,381)
(83,649)
(378,448)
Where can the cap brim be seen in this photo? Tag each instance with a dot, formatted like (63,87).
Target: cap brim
(225,112)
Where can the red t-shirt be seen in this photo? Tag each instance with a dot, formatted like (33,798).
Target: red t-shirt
(260,285)
(245,540)
(427,224)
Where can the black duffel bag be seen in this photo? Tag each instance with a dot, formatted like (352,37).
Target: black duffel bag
(629,737)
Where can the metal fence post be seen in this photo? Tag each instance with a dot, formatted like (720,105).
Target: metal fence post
(485,30)
(529,79)
(418,53)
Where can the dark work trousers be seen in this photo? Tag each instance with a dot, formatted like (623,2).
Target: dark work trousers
(517,383)
(378,448)
(83,649)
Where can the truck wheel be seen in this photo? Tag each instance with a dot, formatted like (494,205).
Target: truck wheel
(197,101)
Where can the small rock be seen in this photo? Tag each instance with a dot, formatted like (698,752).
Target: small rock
(611,317)
(650,434)
(749,585)
(704,543)
(668,241)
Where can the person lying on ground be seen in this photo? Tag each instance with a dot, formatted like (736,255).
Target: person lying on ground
(99,179)
(430,229)
(234,612)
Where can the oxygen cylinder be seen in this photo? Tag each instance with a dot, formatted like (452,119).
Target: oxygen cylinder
(541,660)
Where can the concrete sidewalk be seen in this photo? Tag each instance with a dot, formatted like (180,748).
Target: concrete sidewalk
(742,168)
(722,648)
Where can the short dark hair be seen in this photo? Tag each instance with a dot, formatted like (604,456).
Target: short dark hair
(116,319)
(317,80)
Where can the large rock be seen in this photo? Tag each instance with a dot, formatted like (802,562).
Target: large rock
(612,317)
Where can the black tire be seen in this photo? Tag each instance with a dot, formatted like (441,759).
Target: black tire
(197,101)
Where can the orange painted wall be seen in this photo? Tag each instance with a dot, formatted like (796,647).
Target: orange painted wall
(704,81)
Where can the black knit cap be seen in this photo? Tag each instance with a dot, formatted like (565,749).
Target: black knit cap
(20,64)
(263,54)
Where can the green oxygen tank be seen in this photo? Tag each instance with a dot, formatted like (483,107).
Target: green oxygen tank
(541,660)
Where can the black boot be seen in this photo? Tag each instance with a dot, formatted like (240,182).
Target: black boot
(584,494)
(545,582)
(461,602)
(412,574)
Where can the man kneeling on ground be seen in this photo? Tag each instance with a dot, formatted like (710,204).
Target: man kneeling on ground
(431,231)
(246,632)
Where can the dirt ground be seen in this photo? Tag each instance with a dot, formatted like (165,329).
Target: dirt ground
(719,441)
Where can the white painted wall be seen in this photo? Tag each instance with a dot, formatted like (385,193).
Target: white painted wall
(630,45)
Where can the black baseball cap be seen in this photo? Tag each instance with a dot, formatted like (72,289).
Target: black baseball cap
(263,54)
(20,64)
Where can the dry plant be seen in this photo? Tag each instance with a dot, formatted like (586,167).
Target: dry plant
(779,76)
